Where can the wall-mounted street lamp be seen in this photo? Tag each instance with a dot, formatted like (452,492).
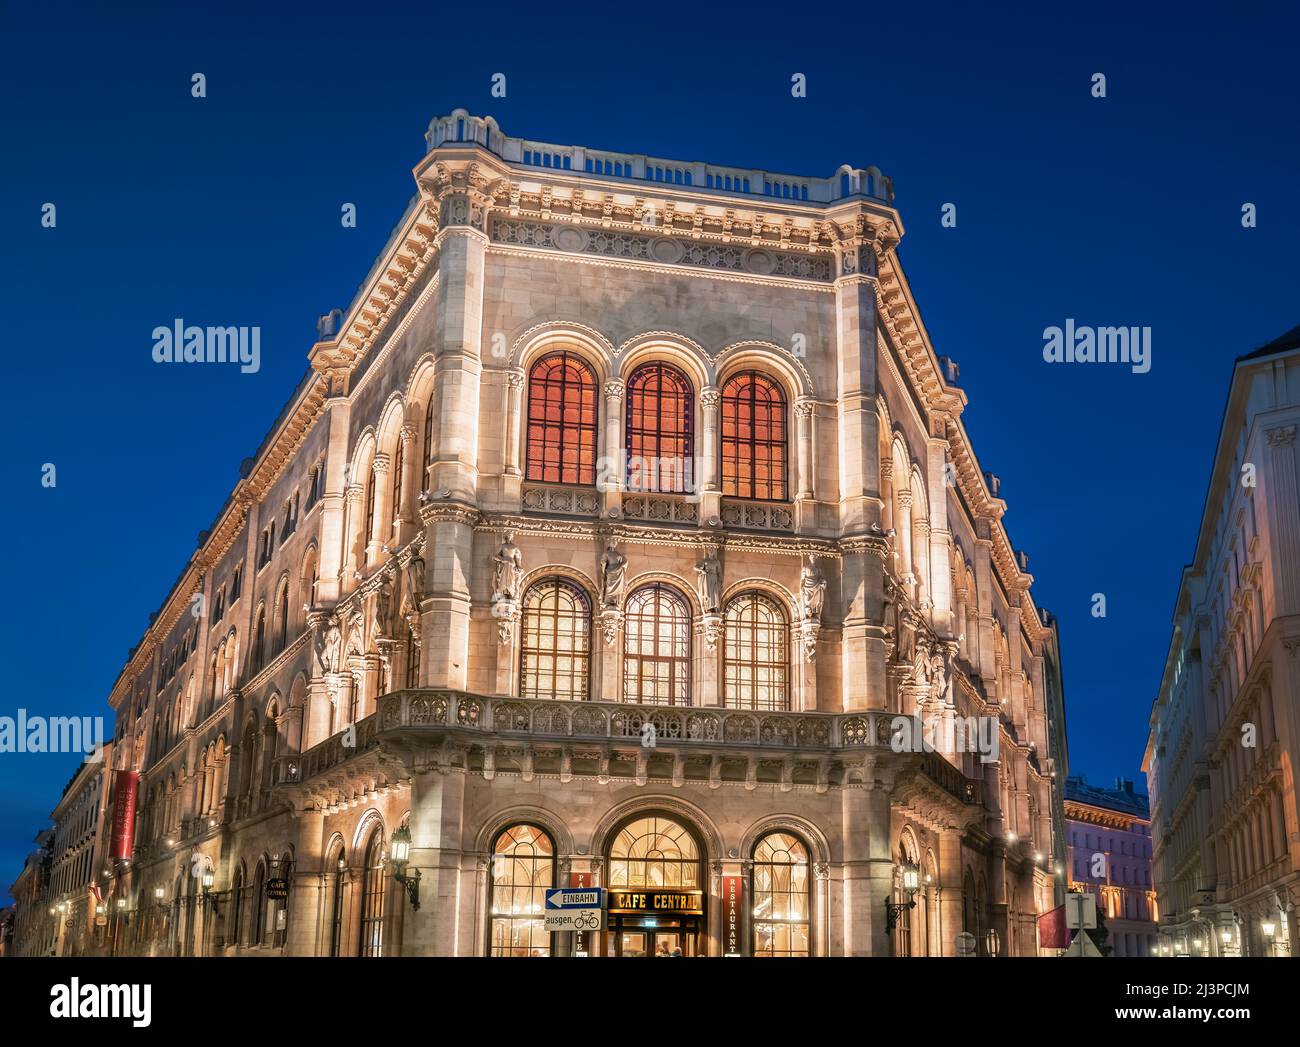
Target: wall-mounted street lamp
(209,896)
(399,853)
(911,876)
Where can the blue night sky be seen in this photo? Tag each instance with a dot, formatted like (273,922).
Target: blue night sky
(225,210)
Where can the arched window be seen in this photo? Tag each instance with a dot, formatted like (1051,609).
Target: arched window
(556,642)
(371,940)
(335,872)
(523,867)
(654,852)
(412,659)
(754,437)
(756,654)
(428,442)
(259,640)
(562,418)
(398,465)
(371,483)
(237,890)
(657,647)
(259,905)
(659,414)
(781,896)
(282,623)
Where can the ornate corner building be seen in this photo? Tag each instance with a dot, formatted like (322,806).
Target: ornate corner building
(1225,726)
(615,530)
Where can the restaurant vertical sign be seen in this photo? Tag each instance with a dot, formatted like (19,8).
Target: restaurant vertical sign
(733,901)
(580,880)
(124,794)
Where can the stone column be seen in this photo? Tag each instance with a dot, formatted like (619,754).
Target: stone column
(449,568)
(514,441)
(406,485)
(903,537)
(950,899)
(353,541)
(709,486)
(940,561)
(307,892)
(611,469)
(868,868)
(803,410)
(437,843)
(857,382)
(379,527)
(333,538)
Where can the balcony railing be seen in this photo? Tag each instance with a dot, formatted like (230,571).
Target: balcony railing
(810,735)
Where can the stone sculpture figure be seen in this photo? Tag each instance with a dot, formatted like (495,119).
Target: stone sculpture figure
(613,575)
(709,582)
(812,590)
(509,569)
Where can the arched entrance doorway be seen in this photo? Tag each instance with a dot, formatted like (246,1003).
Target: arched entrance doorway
(656,889)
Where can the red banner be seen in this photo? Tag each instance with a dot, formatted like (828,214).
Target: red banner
(733,900)
(123,834)
(1052,932)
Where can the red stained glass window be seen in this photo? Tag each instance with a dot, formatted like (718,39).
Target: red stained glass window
(562,419)
(555,652)
(754,438)
(659,430)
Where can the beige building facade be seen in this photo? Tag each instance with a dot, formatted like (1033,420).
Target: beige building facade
(1225,726)
(619,527)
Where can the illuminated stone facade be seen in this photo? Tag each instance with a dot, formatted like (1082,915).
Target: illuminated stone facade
(614,524)
(1225,727)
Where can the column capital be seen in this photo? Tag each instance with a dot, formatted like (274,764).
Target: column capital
(381,463)
(710,397)
(408,433)
(614,388)
(515,379)
(804,407)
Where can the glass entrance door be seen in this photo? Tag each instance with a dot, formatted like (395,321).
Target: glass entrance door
(675,941)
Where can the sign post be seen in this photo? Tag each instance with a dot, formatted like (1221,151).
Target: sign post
(575,909)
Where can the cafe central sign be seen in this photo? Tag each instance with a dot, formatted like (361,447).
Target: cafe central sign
(678,903)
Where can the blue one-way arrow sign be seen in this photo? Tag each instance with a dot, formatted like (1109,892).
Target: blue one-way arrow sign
(576,898)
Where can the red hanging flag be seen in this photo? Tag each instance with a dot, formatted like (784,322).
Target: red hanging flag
(1052,932)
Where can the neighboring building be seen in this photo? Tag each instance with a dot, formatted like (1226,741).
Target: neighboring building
(7,915)
(1110,856)
(1225,726)
(79,865)
(611,534)
(35,928)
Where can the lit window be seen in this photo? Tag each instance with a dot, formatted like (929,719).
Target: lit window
(753,438)
(756,654)
(556,641)
(371,942)
(562,421)
(657,648)
(659,416)
(523,868)
(780,896)
(654,852)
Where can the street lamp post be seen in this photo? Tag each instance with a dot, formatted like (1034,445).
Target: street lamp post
(399,853)
(911,884)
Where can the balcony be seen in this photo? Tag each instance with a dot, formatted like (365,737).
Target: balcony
(612,741)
